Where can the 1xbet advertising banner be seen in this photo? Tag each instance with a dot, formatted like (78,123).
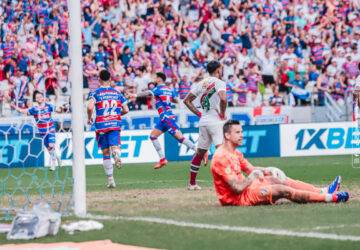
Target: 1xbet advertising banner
(21,150)
(259,141)
(136,147)
(336,138)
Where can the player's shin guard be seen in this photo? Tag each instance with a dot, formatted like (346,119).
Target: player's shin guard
(157,146)
(188,143)
(194,168)
(299,185)
(108,167)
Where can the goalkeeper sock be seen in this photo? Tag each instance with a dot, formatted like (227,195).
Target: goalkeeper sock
(299,185)
(306,196)
(194,168)
(157,146)
(108,167)
(188,143)
(53,156)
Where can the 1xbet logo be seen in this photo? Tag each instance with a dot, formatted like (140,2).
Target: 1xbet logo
(327,138)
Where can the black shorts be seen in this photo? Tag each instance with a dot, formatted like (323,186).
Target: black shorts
(268,79)
(283,88)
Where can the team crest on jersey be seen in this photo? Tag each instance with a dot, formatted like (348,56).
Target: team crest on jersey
(263,192)
(227,170)
(204,85)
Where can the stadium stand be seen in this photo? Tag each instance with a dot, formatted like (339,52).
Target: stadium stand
(273,52)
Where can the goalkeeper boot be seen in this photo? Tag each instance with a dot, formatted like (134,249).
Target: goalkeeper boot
(111,184)
(117,160)
(335,185)
(194,187)
(161,163)
(206,158)
(342,197)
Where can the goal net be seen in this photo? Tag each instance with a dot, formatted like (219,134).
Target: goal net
(25,175)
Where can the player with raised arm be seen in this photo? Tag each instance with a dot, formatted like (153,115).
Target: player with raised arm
(164,96)
(212,93)
(233,188)
(42,113)
(110,106)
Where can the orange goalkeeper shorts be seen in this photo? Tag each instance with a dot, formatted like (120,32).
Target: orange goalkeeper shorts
(258,193)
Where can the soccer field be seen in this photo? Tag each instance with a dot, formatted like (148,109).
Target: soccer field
(153,208)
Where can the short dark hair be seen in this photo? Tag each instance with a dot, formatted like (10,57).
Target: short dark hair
(212,66)
(228,124)
(104,75)
(161,75)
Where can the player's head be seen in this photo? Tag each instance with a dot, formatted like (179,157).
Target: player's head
(214,68)
(233,132)
(39,97)
(160,78)
(104,76)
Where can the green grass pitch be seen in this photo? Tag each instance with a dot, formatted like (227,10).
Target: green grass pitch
(144,192)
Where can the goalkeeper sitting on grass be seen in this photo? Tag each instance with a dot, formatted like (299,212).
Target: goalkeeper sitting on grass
(263,185)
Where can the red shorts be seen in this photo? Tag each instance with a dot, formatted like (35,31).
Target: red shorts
(258,193)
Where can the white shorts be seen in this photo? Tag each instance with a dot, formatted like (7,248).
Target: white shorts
(209,134)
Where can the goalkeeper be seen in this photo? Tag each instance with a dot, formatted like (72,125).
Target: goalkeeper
(263,185)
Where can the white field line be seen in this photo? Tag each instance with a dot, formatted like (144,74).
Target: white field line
(121,183)
(333,227)
(280,232)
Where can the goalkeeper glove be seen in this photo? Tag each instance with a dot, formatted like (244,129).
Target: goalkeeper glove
(277,173)
(256,174)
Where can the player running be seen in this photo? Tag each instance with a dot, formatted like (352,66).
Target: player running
(164,95)
(233,188)
(110,106)
(212,93)
(42,113)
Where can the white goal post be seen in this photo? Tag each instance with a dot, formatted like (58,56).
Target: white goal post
(76,78)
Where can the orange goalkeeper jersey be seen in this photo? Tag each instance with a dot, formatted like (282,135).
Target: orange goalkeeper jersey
(224,167)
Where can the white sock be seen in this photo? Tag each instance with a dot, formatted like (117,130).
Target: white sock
(108,167)
(188,144)
(157,146)
(53,155)
(328,197)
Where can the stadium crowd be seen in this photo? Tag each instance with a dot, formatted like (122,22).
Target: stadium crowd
(274,52)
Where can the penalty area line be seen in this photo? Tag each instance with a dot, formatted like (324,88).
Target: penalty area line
(279,232)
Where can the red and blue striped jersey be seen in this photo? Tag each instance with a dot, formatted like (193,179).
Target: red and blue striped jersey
(351,68)
(108,105)
(163,97)
(317,52)
(242,96)
(253,82)
(184,89)
(8,49)
(43,118)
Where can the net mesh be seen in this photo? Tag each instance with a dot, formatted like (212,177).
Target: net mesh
(25,176)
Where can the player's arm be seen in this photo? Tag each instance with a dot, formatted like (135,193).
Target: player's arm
(188,102)
(20,110)
(142,94)
(223,104)
(125,109)
(90,108)
(238,186)
(250,168)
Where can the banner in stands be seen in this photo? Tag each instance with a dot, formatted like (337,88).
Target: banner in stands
(259,141)
(319,139)
(136,147)
(136,120)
